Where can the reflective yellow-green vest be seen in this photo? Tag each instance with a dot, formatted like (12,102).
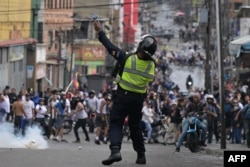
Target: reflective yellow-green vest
(136,74)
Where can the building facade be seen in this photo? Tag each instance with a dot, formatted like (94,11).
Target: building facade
(90,55)
(120,22)
(57,25)
(15,43)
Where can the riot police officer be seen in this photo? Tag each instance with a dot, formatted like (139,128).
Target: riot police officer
(135,72)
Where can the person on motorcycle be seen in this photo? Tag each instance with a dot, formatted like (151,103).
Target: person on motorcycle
(189,82)
(195,107)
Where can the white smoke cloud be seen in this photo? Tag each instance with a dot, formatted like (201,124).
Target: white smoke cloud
(33,138)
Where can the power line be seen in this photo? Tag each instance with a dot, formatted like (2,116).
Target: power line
(10,12)
(88,6)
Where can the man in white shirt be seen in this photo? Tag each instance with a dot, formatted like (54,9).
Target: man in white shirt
(41,111)
(52,112)
(101,118)
(4,105)
(29,109)
(92,103)
(147,118)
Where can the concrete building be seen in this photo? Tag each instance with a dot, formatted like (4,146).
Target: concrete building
(15,43)
(120,22)
(57,37)
(90,55)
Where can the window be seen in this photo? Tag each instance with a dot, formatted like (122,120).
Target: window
(70,3)
(50,39)
(237,5)
(83,32)
(63,36)
(99,69)
(15,66)
(84,69)
(55,4)
(40,32)
(56,39)
(76,68)
(60,4)
(67,2)
(50,4)
(64,3)
(20,65)
(69,36)
(4,57)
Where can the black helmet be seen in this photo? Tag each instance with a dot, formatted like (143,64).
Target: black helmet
(147,45)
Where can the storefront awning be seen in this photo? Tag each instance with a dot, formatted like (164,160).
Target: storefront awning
(235,45)
(53,62)
(241,41)
(15,42)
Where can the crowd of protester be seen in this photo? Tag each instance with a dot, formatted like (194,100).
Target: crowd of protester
(164,110)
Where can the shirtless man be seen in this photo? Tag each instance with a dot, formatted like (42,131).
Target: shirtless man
(19,114)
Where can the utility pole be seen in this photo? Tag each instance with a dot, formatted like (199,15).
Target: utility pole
(59,57)
(221,71)
(72,52)
(208,53)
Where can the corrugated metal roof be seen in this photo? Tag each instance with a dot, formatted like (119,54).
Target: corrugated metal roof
(241,41)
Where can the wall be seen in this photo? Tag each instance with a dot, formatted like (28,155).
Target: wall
(244,26)
(57,20)
(17,67)
(15,15)
(87,8)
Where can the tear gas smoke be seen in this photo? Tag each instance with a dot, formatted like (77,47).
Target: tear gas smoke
(33,138)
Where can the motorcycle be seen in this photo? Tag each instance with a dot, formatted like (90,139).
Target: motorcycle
(91,121)
(189,85)
(68,124)
(159,128)
(193,133)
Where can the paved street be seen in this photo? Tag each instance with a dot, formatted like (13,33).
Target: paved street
(69,155)
(180,75)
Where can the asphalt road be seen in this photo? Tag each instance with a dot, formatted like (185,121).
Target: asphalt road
(91,155)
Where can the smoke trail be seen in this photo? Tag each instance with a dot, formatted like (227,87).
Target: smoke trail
(33,138)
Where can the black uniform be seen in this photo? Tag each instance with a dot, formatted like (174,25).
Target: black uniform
(126,103)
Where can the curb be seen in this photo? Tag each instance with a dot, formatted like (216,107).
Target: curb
(216,152)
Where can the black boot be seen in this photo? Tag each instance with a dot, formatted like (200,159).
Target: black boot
(141,159)
(203,144)
(114,157)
